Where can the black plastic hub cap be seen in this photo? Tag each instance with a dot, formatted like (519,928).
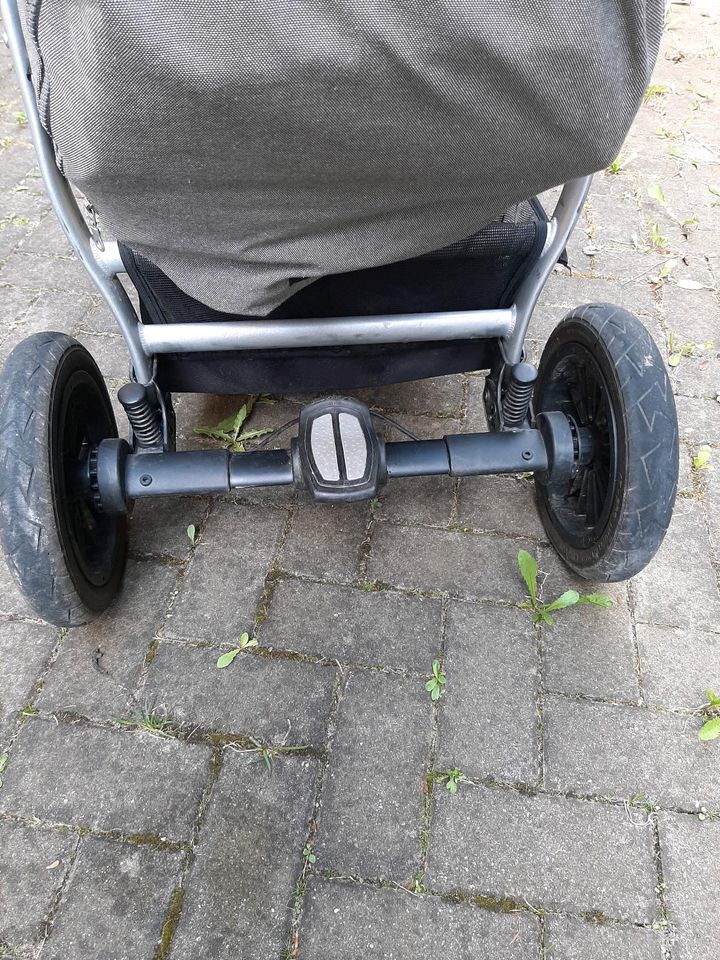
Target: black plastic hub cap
(574,384)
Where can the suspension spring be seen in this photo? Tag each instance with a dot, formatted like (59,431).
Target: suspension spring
(516,399)
(143,417)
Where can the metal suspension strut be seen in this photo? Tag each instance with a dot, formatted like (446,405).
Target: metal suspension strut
(144,419)
(516,399)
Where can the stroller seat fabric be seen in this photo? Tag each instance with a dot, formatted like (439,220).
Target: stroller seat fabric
(246,148)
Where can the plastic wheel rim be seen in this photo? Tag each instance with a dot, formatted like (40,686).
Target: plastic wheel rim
(80,420)
(580,508)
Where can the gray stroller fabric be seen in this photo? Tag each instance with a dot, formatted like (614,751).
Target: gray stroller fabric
(242,144)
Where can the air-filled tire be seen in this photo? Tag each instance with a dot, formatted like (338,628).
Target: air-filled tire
(602,369)
(67,556)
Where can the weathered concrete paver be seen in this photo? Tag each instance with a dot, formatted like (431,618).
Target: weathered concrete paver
(274,700)
(345,921)
(425,558)
(105,779)
(373,800)
(239,893)
(499,505)
(24,649)
(571,939)
(377,627)
(558,853)
(678,665)
(624,751)
(691,852)
(237,538)
(115,903)
(325,541)
(488,721)
(663,591)
(98,665)
(34,862)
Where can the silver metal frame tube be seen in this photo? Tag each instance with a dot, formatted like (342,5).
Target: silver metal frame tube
(270,334)
(144,341)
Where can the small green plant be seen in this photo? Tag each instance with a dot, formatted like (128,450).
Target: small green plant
(308,855)
(678,350)
(4,757)
(619,164)
(703,458)
(711,715)
(542,611)
(20,118)
(436,684)
(229,431)
(154,721)
(13,220)
(657,239)
(655,192)
(267,752)
(453,778)
(655,91)
(225,659)
(192,534)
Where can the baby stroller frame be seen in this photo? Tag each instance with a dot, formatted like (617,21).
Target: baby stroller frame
(541,436)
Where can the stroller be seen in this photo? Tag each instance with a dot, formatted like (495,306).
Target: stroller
(323,196)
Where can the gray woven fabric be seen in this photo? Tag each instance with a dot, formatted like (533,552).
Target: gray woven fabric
(241,143)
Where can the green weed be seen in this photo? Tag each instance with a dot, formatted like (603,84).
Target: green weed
(711,714)
(436,684)
(225,659)
(542,611)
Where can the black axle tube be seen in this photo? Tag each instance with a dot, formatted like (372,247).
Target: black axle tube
(220,471)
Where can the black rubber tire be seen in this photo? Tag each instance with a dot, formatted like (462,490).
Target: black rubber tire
(645,445)
(35,513)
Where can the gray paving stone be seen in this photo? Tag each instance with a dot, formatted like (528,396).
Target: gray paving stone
(679,587)
(589,650)
(98,665)
(561,853)
(346,921)
(325,539)
(698,419)
(105,779)
(488,721)
(624,751)
(24,649)
(500,505)
(712,507)
(378,627)
(239,894)
(159,526)
(41,273)
(678,665)
(255,695)
(28,879)
(467,564)
(690,314)
(570,939)
(437,396)
(690,855)
(115,904)
(417,500)
(372,806)
(218,597)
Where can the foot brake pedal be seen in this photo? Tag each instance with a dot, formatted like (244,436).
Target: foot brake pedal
(337,454)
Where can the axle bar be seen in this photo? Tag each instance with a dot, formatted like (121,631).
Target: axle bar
(219,471)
